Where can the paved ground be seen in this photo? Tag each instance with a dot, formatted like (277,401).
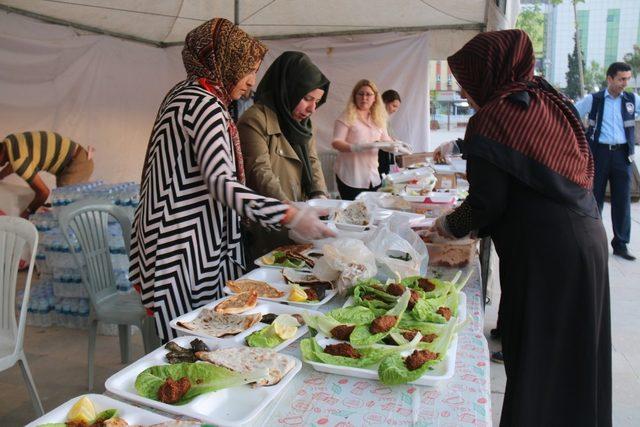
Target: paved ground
(625,323)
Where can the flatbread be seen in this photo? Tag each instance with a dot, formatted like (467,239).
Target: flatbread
(298,249)
(246,359)
(217,325)
(356,213)
(262,288)
(238,303)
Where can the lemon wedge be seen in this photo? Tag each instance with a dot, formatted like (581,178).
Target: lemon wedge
(82,411)
(285,326)
(268,259)
(297,294)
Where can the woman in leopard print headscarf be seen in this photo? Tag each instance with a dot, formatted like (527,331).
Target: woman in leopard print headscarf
(186,240)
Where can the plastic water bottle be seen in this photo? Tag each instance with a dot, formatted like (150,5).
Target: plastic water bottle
(83,313)
(43,310)
(66,310)
(58,319)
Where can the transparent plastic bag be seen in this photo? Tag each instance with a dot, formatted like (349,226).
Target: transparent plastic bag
(346,261)
(399,251)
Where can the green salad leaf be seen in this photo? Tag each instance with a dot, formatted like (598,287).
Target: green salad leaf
(313,352)
(265,338)
(442,287)
(282,260)
(321,322)
(104,416)
(204,377)
(355,315)
(362,336)
(393,370)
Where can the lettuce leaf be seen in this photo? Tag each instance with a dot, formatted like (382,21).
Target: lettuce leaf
(321,322)
(204,377)
(362,336)
(355,315)
(265,337)
(442,287)
(312,351)
(393,371)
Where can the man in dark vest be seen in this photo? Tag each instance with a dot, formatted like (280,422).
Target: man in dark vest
(611,135)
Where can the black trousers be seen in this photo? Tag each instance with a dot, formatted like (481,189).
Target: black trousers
(614,167)
(350,193)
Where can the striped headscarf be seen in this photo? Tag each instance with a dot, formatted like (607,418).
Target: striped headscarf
(219,54)
(491,68)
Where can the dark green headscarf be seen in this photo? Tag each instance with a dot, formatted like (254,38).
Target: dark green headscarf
(291,76)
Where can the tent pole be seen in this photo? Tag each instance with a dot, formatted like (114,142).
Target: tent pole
(236,12)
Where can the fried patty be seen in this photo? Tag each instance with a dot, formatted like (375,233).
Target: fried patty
(395,289)
(426,285)
(445,312)
(418,358)
(342,349)
(342,332)
(382,324)
(172,391)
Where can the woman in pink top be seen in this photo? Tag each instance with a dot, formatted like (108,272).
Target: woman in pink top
(361,124)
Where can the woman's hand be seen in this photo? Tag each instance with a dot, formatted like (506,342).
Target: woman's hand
(443,151)
(306,223)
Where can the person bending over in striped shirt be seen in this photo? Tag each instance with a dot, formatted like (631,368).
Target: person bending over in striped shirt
(28,153)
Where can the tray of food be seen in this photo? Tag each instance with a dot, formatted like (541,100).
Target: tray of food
(285,286)
(355,217)
(299,257)
(242,319)
(226,386)
(387,344)
(99,410)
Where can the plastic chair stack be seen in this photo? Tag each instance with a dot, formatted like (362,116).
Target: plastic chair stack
(88,220)
(15,233)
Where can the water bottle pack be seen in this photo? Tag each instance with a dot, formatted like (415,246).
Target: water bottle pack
(58,296)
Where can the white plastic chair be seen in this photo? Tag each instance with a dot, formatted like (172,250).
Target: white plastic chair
(88,220)
(15,233)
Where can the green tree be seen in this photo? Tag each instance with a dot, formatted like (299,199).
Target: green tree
(633,59)
(574,89)
(594,77)
(531,21)
(577,50)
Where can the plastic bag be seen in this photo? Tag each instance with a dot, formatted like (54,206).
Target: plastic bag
(346,261)
(398,250)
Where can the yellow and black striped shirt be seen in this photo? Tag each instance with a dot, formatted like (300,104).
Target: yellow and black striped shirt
(32,152)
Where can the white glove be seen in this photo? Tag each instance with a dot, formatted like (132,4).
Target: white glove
(307,224)
(362,146)
(400,148)
(443,151)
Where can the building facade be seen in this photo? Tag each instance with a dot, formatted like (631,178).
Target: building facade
(608,31)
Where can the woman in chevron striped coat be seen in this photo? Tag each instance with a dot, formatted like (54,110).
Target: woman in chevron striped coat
(186,232)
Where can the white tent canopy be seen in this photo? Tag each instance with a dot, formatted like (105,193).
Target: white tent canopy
(167,21)
(103,91)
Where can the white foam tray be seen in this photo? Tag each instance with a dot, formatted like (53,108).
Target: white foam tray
(264,307)
(131,414)
(274,278)
(228,407)
(439,372)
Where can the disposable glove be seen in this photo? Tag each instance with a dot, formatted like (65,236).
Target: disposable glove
(307,224)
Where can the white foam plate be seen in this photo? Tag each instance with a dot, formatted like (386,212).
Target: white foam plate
(263,307)
(131,414)
(409,174)
(439,372)
(228,407)
(274,278)
(354,227)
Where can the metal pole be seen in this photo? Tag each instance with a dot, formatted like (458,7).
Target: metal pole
(236,12)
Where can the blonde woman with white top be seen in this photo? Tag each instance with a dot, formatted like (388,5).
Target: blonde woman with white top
(361,124)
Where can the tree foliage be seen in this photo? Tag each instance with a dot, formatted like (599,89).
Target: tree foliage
(594,77)
(573,75)
(531,21)
(633,59)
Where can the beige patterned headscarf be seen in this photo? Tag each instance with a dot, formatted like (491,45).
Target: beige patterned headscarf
(222,54)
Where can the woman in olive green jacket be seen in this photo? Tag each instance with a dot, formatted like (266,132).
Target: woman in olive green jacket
(276,136)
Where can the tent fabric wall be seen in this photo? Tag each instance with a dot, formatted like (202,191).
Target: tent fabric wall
(105,92)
